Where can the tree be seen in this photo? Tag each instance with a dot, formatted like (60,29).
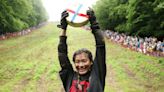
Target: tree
(133,17)
(111,13)
(144,19)
(16,15)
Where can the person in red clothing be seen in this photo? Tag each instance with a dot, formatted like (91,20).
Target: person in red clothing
(90,73)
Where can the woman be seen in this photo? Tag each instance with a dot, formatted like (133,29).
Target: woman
(90,73)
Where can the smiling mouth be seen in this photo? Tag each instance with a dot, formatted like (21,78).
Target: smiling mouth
(82,70)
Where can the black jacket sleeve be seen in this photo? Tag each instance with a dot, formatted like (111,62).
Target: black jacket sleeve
(62,54)
(65,64)
(100,57)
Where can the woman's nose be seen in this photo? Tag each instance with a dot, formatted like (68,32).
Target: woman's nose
(81,64)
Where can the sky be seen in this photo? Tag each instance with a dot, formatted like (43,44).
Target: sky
(55,7)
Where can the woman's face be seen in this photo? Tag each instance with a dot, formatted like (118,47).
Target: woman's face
(82,63)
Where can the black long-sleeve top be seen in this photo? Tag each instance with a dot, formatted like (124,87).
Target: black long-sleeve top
(98,71)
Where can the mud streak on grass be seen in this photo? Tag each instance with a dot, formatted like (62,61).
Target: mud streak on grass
(42,83)
(19,87)
(111,79)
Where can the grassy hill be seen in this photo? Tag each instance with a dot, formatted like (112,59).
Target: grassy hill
(29,63)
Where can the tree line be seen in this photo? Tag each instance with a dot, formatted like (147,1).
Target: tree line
(133,17)
(16,15)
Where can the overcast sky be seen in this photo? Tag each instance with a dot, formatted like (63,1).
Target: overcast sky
(55,7)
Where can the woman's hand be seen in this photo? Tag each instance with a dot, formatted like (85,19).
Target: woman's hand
(63,22)
(92,19)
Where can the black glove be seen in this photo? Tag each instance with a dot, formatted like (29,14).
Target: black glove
(63,23)
(92,19)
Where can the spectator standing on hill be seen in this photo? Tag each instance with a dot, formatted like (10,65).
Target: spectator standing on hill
(90,74)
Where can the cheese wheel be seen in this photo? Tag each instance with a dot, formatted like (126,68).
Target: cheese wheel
(77,15)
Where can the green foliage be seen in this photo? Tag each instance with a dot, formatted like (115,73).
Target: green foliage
(134,17)
(39,11)
(108,16)
(20,14)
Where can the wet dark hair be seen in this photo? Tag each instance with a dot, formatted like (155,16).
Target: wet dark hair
(83,50)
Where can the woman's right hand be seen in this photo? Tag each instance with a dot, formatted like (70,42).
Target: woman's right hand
(63,21)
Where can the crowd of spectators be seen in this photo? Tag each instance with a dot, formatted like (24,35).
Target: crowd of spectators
(20,33)
(147,45)
(14,34)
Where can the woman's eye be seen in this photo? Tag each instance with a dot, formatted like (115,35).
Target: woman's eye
(76,61)
(84,61)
